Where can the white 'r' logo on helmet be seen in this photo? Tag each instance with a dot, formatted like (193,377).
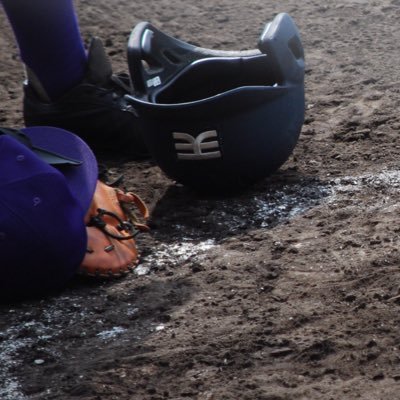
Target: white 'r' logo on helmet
(197,148)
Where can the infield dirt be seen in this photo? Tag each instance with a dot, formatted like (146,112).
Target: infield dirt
(290,290)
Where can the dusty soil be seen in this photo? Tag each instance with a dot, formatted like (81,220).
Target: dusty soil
(290,290)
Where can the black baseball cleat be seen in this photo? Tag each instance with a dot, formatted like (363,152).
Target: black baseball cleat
(95,109)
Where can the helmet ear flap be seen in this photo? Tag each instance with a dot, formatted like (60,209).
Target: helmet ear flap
(281,42)
(154,57)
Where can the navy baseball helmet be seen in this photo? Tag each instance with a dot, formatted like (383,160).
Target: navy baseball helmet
(218,120)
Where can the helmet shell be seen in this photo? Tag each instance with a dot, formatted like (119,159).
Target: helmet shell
(217,120)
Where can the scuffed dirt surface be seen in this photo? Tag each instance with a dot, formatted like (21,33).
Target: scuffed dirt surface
(287,291)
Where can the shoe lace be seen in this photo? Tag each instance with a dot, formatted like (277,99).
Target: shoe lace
(117,85)
(121,81)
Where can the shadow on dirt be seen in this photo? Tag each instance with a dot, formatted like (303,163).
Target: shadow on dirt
(182,214)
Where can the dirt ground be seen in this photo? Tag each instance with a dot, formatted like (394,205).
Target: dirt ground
(290,290)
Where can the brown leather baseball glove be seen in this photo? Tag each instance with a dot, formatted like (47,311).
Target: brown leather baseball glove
(112,224)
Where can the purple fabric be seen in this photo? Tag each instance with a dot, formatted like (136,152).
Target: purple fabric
(81,178)
(49,40)
(42,231)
